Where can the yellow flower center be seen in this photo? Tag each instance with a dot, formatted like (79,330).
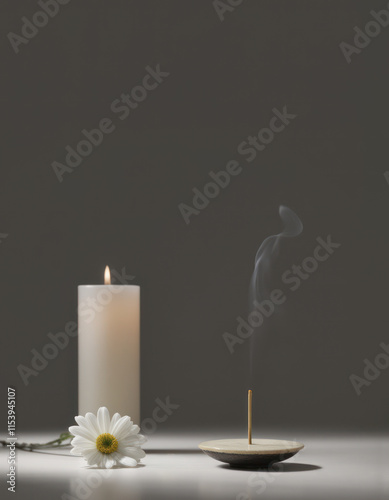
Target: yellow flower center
(106,443)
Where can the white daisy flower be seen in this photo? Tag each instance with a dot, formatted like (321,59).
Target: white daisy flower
(105,442)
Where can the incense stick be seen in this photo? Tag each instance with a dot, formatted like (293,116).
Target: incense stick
(250,414)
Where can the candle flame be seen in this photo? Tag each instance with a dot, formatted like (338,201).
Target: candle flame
(107,276)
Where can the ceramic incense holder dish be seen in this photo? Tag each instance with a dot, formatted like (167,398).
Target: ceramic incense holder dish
(248,452)
(260,453)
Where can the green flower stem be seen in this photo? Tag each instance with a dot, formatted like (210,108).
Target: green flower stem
(56,443)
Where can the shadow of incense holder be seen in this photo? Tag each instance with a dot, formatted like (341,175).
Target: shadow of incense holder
(248,452)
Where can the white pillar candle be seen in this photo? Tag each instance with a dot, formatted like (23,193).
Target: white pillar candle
(109,348)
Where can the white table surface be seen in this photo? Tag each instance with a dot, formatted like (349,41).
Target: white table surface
(330,466)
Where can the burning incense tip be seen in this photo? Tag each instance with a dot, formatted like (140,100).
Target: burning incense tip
(250,414)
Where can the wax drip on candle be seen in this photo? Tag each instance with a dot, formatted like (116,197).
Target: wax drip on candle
(107,276)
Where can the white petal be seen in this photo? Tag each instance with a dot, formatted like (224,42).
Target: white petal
(76,451)
(101,461)
(122,428)
(82,442)
(115,455)
(133,440)
(93,458)
(130,441)
(92,422)
(114,421)
(128,461)
(81,431)
(82,422)
(103,419)
(83,449)
(142,439)
(109,461)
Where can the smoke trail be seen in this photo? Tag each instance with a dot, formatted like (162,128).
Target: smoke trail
(259,285)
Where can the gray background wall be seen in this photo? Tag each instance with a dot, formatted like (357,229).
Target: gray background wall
(120,206)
